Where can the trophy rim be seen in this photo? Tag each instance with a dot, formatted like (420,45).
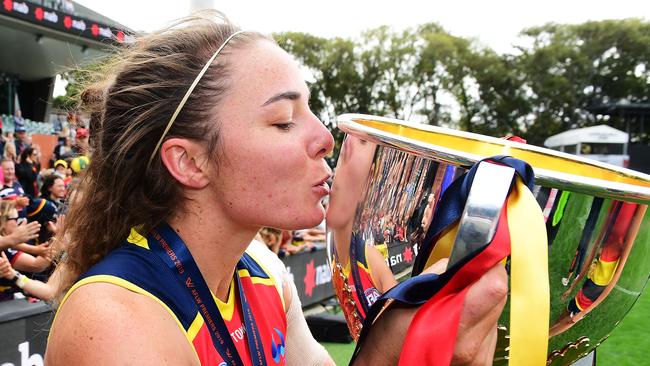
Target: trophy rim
(622,184)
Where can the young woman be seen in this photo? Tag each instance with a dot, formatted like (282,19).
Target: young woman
(204,136)
(15,258)
(53,189)
(27,171)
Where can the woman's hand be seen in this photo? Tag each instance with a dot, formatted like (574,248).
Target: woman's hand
(6,271)
(477,330)
(24,233)
(42,250)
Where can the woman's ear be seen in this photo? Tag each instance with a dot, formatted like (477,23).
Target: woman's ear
(186,161)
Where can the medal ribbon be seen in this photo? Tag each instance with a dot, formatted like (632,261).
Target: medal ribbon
(169,247)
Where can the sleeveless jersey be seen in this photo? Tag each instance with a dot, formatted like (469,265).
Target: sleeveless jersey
(135,267)
(368,292)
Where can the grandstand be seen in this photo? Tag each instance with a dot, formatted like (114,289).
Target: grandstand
(32,127)
(40,39)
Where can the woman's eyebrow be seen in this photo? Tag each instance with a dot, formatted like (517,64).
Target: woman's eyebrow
(288,95)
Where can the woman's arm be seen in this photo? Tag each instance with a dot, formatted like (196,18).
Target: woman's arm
(23,233)
(29,263)
(103,324)
(35,250)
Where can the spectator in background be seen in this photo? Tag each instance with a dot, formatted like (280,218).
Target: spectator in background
(53,190)
(9,151)
(61,168)
(19,121)
(64,149)
(21,140)
(27,171)
(18,259)
(271,237)
(21,202)
(9,177)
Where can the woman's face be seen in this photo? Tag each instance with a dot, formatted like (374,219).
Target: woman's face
(11,222)
(271,167)
(58,189)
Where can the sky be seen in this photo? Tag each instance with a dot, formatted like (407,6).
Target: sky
(494,23)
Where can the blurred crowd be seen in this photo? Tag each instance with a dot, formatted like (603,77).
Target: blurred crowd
(33,200)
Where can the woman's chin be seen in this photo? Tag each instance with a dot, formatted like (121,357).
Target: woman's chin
(307,220)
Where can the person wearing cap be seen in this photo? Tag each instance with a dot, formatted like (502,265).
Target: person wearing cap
(21,140)
(60,168)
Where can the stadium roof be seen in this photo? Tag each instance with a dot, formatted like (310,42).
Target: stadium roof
(38,42)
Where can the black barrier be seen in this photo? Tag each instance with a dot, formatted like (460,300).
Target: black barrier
(311,274)
(24,327)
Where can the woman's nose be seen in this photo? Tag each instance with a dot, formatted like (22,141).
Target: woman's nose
(323,142)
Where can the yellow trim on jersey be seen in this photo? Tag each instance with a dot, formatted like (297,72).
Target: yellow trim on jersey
(194,328)
(603,272)
(226,308)
(256,280)
(137,239)
(268,273)
(129,286)
(38,209)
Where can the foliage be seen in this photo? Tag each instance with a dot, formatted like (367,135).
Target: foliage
(425,74)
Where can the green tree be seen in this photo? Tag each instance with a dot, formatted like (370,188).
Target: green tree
(571,67)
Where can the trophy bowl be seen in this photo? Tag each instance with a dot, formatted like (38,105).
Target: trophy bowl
(390,177)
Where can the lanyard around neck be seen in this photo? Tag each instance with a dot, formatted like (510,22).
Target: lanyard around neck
(175,254)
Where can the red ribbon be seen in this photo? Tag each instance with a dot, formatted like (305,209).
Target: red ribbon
(431,337)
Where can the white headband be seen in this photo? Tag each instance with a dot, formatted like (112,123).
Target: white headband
(188,93)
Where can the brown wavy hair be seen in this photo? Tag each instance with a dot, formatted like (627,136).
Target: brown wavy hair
(129,101)
(5,207)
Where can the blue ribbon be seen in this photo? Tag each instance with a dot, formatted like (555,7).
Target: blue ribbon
(171,249)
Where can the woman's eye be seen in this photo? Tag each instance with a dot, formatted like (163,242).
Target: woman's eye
(284,126)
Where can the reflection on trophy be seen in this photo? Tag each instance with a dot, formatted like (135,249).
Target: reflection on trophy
(405,196)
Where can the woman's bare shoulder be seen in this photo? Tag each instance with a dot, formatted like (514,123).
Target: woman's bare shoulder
(104,324)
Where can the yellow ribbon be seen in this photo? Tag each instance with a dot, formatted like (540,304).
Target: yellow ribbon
(529,286)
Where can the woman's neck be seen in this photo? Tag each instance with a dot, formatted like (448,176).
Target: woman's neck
(216,246)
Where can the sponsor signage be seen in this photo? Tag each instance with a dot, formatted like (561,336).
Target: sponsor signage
(67,23)
(312,276)
(401,256)
(24,327)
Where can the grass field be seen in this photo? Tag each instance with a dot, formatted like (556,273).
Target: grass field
(629,342)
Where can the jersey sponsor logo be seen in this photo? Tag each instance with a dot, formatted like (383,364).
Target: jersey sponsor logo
(238,334)
(372,295)
(277,350)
